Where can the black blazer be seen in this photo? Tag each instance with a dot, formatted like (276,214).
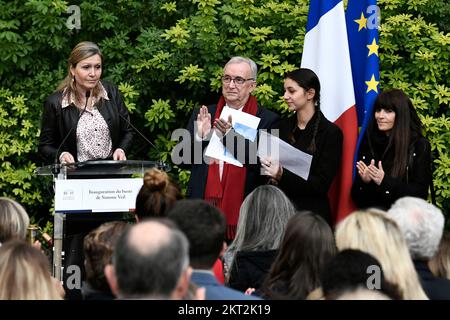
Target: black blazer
(250,268)
(57,122)
(414,183)
(312,194)
(199,171)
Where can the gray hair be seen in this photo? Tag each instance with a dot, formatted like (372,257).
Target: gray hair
(155,270)
(263,217)
(421,223)
(14,220)
(249,61)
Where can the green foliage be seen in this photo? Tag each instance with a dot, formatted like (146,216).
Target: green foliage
(167,57)
(18,139)
(415,56)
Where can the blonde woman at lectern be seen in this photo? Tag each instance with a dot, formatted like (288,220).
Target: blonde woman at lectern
(85,119)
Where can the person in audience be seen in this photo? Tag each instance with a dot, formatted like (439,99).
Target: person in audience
(150,261)
(394,159)
(157,196)
(308,130)
(348,274)
(14,220)
(204,226)
(440,263)
(262,220)
(422,225)
(85,119)
(221,183)
(98,248)
(25,273)
(307,245)
(373,232)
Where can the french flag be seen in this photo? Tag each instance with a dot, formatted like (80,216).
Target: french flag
(326,52)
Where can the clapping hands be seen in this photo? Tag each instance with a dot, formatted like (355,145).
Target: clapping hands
(370,172)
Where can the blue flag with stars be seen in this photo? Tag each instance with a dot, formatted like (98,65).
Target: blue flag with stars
(362,19)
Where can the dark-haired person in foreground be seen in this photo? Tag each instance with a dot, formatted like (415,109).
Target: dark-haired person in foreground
(204,226)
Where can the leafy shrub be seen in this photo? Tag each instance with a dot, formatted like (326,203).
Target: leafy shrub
(167,58)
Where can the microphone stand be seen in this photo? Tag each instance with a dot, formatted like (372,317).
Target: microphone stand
(56,168)
(160,162)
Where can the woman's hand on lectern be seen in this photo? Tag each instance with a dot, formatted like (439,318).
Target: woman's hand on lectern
(119,154)
(66,157)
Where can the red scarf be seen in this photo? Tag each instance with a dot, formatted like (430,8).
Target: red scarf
(228,194)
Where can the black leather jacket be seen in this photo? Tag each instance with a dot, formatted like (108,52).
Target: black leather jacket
(57,122)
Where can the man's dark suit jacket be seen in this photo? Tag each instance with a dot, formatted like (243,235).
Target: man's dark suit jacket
(216,291)
(199,172)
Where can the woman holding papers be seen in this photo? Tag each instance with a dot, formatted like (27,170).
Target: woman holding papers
(309,131)
(394,159)
(85,119)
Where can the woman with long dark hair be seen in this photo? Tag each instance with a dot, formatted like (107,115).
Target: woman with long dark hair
(307,246)
(394,158)
(309,131)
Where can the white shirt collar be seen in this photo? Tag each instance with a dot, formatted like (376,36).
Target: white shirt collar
(240,109)
(66,102)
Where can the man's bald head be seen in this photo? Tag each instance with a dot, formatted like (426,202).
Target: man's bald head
(149,259)
(149,236)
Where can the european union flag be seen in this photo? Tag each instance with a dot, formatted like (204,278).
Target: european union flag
(362,19)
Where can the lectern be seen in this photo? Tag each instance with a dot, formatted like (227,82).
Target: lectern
(85,189)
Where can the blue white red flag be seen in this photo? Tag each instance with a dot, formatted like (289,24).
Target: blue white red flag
(362,28)
(326,52)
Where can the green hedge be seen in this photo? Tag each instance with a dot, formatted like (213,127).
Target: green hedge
(167,58)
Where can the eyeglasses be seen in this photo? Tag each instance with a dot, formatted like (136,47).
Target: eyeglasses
(238,80)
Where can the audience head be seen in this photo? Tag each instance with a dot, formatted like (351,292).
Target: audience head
(308,244)
(25,273)
(262,219)
(440,263)
(373,232)
(14,220)
(353,270)
(421,223)
(157,195)
(204,226)
(150,261)
(98,248)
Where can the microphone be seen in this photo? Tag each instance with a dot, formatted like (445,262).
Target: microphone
(160,162)
(55,169)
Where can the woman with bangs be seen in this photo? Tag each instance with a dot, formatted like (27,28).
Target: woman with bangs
(394,159)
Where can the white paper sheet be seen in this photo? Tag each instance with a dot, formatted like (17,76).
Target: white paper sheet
(243,123)
(289,157)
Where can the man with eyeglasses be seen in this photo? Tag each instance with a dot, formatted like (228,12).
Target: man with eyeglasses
(218,182)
